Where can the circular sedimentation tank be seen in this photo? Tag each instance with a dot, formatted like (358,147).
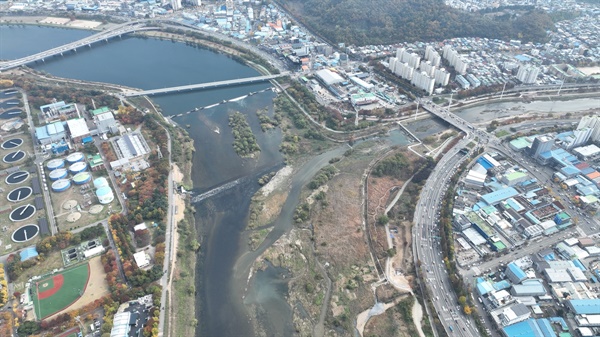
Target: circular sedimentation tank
(19,194)
(58,174)
(12,143)
(82,178)
(75,157)
(25,233)
(55,164)
(14,157)
(17,177)
(105,195)
(100,182)
(22,213)
(77,167)
(61,185)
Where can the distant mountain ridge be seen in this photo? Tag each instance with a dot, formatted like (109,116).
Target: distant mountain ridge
(362,22)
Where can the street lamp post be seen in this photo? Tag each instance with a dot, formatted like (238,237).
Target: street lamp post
(561,85)
(417,111)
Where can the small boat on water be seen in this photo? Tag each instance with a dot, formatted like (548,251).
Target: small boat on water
(216,130)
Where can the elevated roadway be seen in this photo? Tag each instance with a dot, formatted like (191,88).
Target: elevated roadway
(199,86)
(428,252)
(119,30)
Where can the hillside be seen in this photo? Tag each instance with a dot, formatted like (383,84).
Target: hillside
(363,22)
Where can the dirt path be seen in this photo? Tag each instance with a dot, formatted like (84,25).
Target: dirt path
(96,288)
(179,203)
(417,316)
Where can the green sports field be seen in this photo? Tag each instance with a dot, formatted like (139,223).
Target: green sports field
(57,292)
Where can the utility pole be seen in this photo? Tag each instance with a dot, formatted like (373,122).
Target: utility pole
(504,87)
(450,103)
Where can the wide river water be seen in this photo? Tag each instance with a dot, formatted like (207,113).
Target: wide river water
(224,260)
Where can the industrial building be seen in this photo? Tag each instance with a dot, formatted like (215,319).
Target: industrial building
(78,130)
(328,77)
(50,133)
(105,120)
(528,288)
(514,273)
(131,146)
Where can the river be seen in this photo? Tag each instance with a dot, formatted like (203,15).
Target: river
(149,64)
(224,261)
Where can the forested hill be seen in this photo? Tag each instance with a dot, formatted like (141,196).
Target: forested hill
(362,22)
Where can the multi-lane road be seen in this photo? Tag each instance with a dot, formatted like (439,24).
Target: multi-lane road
(426,218)
(428,249)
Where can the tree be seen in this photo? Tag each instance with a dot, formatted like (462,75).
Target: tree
(383,220)
(467,310)
(28,328)
(462,300)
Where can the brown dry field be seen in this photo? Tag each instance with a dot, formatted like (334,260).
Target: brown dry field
(95,289)
(379,197)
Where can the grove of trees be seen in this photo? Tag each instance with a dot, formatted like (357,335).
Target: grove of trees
(389,21)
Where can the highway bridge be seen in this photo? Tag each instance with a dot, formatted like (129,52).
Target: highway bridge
(447,116)
(118,30)
(200,86)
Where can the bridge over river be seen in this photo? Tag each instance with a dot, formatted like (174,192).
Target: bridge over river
(105,35)
(199,86)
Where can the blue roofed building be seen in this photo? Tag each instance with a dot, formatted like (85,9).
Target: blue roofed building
(514,273)
(530,328)
(495,197)
(50,133)
(569,171)
(504,284)
(546,327)
(483,286)
(486,164)
(584,306)
(579,265)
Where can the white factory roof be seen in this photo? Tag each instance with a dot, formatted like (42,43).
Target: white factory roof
(547,224)
(329,77)
(105,116)
(587,151)
(78,127)
(576,274)
(557,275)
(571,241)
(571,182)
(474,236)
(593,250)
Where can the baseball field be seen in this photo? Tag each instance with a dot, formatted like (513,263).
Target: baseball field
(57,292)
